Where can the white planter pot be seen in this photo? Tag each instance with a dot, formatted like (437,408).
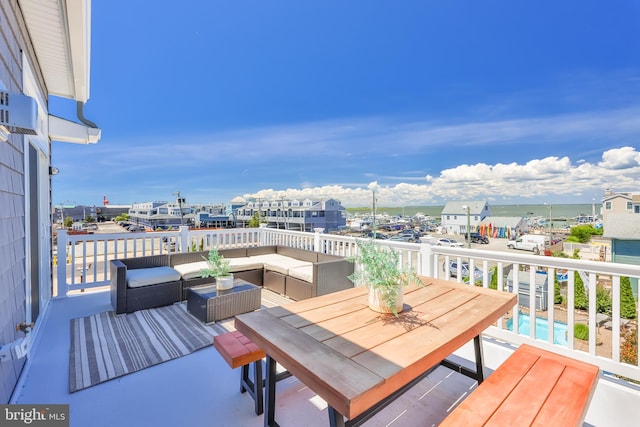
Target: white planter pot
(224,283)
(378,303)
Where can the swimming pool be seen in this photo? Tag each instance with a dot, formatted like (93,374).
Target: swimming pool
(542,329)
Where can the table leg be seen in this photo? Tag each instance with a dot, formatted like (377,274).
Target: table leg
(478,374)
(270,393)
(477,343)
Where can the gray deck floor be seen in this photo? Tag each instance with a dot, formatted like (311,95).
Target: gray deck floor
(196,390)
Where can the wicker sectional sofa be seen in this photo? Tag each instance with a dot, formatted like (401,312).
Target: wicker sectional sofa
(153,281)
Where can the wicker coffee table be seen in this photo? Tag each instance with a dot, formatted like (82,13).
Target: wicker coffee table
(209,304)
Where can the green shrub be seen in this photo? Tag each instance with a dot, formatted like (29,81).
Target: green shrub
(581,331)
(582,233)
(603,300)
(255,221)
(581,296)
(494,278)
(557,296)
(627,302)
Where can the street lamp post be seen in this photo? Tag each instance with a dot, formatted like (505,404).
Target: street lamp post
(468,209)
(373,187)
(550,223)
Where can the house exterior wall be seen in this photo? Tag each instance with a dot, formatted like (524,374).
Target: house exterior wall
(616,203)
(295,215)
(454,215)
(25,198)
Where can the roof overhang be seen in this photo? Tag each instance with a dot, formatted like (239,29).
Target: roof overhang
(60,31)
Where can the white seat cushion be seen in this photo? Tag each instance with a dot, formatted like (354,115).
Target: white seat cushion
(280,263)
(191,270)
(151,276)
(304,273)
(244,264)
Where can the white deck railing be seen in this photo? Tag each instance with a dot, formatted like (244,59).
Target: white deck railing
(83,262)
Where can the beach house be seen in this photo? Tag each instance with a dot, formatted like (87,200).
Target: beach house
(45,52)
(454,215)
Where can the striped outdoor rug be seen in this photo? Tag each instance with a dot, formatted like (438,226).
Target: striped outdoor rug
(105,346)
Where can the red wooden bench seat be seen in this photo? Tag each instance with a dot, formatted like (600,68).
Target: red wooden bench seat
(532,387)
(238,351)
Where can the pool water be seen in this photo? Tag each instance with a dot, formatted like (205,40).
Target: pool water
(542,329)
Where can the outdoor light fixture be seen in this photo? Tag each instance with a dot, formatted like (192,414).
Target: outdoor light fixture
(53,170)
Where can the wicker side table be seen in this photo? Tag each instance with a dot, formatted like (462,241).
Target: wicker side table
(209,304)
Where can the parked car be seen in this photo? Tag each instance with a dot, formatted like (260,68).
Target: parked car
(449,242)
(479,238)
(530,242)
(377,235)
(135,228)
(464,270)
(89,226)
(411,233)
(402,238)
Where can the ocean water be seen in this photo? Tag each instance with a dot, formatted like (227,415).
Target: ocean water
(558,212)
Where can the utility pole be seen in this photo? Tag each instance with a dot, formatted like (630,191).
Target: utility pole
(373,187)
(550,226)
(180,201)
(468,209)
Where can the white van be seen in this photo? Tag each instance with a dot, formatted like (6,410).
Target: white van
(535,243)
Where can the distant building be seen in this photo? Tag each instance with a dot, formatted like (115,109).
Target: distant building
(454,215)
(78,213)
(162,215)
(110,212)
(298,215)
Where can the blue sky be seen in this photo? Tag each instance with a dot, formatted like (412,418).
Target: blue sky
(512,102)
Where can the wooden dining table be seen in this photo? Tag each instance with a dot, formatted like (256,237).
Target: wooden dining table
(358,360)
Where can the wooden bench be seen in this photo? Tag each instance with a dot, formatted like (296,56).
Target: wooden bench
(238,351)
(532,387)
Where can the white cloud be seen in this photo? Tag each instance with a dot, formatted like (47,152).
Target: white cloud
(620,158)
(538,178)
(305,158)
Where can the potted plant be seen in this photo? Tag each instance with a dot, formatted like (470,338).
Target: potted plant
(218,267)
(379,269)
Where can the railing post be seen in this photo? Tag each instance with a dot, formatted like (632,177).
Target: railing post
(61,261)
(426,255)
(262,234)
(316,239)
(184,238)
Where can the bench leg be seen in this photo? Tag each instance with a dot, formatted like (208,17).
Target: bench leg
(254,387)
